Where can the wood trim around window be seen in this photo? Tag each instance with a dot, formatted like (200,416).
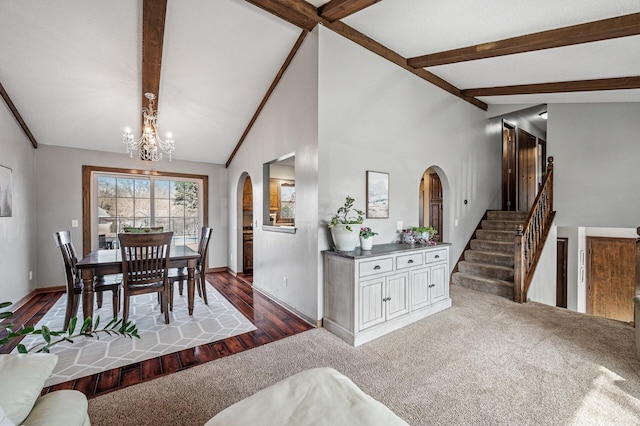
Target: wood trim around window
(86,195)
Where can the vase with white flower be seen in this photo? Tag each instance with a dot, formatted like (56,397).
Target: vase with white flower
(366,238)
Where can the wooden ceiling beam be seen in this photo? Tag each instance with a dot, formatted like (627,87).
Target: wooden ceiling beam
(621,83)
(267,95)
(339,9)
(297,12)
(621,26)
(18,117)
(154,13)
(381,50)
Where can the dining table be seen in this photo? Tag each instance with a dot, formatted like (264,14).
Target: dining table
(104,262)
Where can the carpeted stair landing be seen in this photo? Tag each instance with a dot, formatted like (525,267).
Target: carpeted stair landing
(488,265)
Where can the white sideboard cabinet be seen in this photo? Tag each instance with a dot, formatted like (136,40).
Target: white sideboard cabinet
(369,293)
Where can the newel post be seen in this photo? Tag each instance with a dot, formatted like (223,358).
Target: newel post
(518,267)
(638,268)
(550,171)
(636,299)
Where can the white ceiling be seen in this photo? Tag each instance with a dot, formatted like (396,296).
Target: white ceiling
(73,67)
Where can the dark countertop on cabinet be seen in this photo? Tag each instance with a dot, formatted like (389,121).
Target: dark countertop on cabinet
(383,249)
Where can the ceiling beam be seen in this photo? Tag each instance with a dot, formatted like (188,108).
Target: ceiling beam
(297,12)
(267,95)
(621,26)
(559,87)
(338,9)
(301,10)
(18,117)
(377,48)
(153,17)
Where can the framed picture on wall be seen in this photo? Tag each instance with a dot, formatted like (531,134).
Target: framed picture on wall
(377,195)
(6,203)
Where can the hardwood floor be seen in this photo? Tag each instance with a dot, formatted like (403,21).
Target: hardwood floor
(271,320)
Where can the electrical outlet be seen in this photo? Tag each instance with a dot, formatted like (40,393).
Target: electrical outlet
(74,223)
(284,280)
(400,225)
(30,275)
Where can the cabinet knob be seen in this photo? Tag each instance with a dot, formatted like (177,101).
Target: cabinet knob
(410,261)
(376,267)
(437,256)
(432,285)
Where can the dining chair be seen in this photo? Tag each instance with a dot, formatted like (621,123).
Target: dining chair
(181,275)
(101,283)
(145,265)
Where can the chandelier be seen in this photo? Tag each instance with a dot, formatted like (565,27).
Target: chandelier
(149,144)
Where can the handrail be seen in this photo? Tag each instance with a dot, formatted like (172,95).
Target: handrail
(531,236)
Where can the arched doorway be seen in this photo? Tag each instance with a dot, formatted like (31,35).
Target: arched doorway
(431,202)
(245,225)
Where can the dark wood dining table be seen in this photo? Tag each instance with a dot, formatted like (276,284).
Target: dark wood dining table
(103,262)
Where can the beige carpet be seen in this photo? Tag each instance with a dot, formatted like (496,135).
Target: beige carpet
(485,361)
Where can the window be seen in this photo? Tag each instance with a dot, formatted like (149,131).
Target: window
(280,194)
(123,198)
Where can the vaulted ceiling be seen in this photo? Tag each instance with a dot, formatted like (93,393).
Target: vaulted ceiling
(75,71)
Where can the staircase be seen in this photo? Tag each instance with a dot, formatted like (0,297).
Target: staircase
(487,265)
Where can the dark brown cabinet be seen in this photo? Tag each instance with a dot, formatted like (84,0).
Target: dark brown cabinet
(247,252)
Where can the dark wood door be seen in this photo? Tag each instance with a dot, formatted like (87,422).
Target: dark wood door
(527,188)
(561,273)
(508,168)
(611,277)
(435,205)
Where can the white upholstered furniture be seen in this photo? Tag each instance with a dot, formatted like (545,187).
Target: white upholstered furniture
(319,397)
(21,380)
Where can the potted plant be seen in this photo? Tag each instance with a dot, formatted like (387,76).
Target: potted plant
(345,236)
(366,238)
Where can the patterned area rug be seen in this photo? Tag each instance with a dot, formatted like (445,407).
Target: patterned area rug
(209,323)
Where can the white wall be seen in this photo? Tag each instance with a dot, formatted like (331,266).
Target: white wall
(288,123)
(595,149)
(17,233)
(373,115)
(59,200)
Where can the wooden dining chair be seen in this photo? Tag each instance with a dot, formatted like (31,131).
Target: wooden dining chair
(180,275)
(145,265)
(101,283)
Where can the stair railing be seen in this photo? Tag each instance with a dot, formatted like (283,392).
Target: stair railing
(531,236)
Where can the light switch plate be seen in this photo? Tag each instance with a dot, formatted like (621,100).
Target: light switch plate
(74,223)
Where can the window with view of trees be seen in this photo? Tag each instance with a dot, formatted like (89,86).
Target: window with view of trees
(142,202)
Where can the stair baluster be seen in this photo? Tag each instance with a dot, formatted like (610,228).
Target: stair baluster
(531,236)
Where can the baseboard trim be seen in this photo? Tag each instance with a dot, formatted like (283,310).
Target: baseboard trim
(286,306)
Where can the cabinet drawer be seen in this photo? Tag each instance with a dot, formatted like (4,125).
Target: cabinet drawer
(409,260)
(436,255)
(377,266)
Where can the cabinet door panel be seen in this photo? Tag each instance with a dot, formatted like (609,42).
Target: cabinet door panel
(371,303)
(420,281)
(439,282)
(397,295)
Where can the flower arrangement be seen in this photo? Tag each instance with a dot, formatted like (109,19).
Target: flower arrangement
(367,232)
(418,234)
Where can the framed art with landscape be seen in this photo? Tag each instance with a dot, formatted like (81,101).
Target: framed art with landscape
(377,195)
(6,203)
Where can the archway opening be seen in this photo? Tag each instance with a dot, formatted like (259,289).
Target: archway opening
(431,204)
(245,225)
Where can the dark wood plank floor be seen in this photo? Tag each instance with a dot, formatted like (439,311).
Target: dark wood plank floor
(271,320)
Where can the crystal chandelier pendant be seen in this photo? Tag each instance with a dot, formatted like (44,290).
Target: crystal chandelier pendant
(149,145)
